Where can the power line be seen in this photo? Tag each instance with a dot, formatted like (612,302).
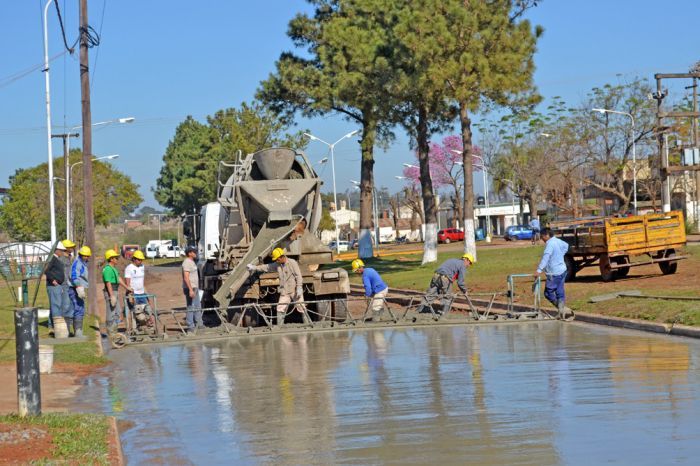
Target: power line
(97,54)
(63,30)
(6,81)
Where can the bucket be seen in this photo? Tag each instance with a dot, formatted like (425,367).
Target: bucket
(60,329)
(45,358)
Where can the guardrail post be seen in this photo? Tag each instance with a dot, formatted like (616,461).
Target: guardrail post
(27,347)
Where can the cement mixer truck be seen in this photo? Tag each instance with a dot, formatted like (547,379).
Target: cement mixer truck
(268,199)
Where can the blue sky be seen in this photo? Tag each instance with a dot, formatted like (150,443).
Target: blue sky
(160,61)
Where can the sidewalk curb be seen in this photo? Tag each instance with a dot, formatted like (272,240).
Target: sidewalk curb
(114,433)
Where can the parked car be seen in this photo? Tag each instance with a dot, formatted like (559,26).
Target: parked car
(516,232)
(342,246)
(448,235)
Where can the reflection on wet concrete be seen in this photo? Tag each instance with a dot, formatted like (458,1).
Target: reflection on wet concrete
(495,394)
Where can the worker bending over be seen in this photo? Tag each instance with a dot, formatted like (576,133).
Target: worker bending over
(375,287)
(553,265)
(449,271)
(291,286)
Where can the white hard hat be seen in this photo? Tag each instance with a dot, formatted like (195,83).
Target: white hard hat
(60,246)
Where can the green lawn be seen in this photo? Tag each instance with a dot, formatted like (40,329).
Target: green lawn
(80,352)
(495,264)
(77,438)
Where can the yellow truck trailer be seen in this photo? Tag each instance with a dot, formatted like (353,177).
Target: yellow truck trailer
(611,242)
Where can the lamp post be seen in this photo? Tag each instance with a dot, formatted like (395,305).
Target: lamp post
(331,147)
(634,151)
(69,178)
(52,202)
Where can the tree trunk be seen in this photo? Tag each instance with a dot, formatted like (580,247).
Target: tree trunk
(468,210)
(369,133)
(532,203)
(426,183)
(396,215)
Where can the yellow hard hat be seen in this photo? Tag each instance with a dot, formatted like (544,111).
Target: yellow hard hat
(467,255)
(111,253)
(356,264)
(138,255)
(85,251)
(68,243)
(277,253)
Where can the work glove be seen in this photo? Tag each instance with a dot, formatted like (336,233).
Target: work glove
(80,291)
(113,301)
(250,267)
(300,293)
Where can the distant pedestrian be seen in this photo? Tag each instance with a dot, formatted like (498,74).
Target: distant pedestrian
(554,266)
(375,287)
(190,288)
(535,225)
(78,290)
(452,270)
(112,280)
(291,286)
(55,276)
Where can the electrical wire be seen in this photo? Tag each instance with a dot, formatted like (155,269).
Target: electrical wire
(63,31)
(99,35)
(7,80)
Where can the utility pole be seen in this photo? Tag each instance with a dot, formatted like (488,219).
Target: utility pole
(87,153)
(66,168)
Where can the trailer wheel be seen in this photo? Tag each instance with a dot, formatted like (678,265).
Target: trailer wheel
(606,272)
(622,271)
(668,268)
(571,268)
(340,307)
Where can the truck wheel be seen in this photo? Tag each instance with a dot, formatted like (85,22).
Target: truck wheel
(668,268)
(571,268)
(340,307)
(606,272)
(622,271)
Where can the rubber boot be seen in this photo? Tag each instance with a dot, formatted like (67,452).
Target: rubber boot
(562,310)
(280,319)
(69,324)
(78,327)
(376,316)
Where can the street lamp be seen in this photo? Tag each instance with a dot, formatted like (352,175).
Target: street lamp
(323,161)
(69,178)
(484,169)
(331,147)
(66,157)
(634,151)
(52,202)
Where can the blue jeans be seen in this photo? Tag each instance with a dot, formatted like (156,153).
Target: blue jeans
(55,302)
(78,308)
(66,303)
(554,289)
(193,316)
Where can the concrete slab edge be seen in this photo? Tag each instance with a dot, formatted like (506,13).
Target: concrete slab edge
(118,460)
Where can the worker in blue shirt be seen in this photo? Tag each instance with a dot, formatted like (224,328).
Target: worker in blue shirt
(535,225)
(553,265)
(375,288)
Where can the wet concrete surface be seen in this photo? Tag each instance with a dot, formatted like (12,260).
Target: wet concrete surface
(536,393)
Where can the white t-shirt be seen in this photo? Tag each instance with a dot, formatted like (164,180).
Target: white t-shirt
(135,274)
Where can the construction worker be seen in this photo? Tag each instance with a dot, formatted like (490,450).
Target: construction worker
(190,288)
(375,288)
(291,287)
(112,280)
(444,276)
(134,274)
(55,276)
(67,260)
(78,293)
(553,265)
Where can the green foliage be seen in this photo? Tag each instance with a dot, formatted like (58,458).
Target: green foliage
(327,223)
(188,177)
(24,213)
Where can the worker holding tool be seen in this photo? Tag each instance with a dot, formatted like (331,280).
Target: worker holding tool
(78,293)
(444,276)
(190,288)
(112,280)
(375,288)
(553,265)
(291,286)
